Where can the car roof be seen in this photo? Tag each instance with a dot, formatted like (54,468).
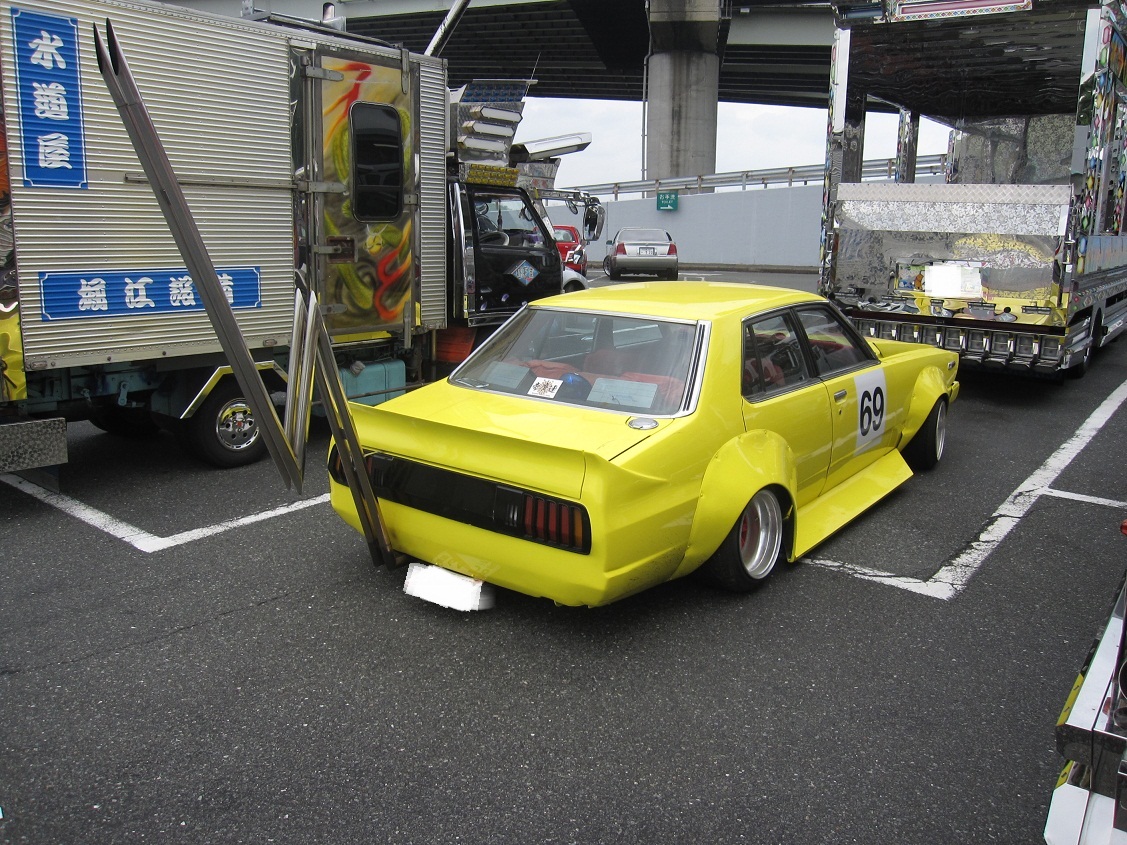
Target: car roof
(681,300)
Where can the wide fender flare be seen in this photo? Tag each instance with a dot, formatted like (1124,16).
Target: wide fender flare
(740,468)
(930,385)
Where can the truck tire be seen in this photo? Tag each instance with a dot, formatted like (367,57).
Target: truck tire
(1095,341)
(1080,369)
(926,449)
(124,422)
(224,431)
(752,548)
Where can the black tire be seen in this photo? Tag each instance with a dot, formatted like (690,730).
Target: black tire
(572,287)
(608,268)
(752,549)
(1079,370)
(1094,343)
(224,431)
(124,422)
(925,450)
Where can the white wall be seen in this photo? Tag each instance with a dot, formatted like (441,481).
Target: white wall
(763,228)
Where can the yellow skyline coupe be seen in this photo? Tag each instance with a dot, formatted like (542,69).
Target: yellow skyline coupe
(605,441)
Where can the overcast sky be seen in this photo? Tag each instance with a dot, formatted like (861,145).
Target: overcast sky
(749,137)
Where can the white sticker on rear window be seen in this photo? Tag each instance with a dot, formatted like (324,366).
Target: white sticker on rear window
(545,388)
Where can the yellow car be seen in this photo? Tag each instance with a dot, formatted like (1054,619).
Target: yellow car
(609,440)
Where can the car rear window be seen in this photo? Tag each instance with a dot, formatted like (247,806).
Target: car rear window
(619,363)
(634,235)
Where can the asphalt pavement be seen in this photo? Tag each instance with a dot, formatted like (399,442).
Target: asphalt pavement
(188,655)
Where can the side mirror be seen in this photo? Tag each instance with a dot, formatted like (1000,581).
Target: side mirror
(593,218)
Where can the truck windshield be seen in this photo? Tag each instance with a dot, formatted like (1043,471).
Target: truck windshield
(614,362)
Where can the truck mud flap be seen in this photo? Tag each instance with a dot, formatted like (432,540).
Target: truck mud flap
(31,444)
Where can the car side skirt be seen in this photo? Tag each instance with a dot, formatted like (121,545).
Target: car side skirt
(852,497)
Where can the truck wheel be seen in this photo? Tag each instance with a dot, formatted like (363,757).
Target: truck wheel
(1094,343)
(224,431)
(752,548)
(926,449)
(124,422)
(1080,369)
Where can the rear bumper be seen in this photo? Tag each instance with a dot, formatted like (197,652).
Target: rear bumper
(643,263)
(540,571)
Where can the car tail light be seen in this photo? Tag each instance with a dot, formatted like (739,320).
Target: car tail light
(672,249)
(555,522)
(474,501)
(620,249)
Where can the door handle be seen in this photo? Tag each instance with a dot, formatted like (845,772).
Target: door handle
(840,396)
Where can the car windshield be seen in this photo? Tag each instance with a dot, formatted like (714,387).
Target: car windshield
(614,362)
(564,235)
(635,235)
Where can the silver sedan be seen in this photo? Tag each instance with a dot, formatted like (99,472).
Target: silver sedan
(637,250)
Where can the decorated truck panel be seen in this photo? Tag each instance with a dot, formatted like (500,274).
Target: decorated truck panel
(1089,801)
(1017,259)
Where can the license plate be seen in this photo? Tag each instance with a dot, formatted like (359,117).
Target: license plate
(449,589)
(646,250)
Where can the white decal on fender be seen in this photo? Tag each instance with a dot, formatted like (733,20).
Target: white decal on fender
(872,408)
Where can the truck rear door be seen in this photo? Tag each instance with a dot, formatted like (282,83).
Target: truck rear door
(364,234)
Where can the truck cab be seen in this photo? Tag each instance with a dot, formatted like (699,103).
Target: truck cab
(503,253)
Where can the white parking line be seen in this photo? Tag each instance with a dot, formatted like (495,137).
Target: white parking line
(136,537)
(949,581)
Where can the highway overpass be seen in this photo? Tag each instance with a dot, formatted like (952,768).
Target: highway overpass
(682,59)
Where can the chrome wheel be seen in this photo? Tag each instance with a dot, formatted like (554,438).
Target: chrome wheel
(940,430)
(760,534)
(235,426)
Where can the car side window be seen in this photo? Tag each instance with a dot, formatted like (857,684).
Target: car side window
(773,359)
(833,348)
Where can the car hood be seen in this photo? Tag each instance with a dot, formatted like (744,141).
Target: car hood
(527,442)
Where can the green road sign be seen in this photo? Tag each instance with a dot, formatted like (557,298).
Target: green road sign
(667,200)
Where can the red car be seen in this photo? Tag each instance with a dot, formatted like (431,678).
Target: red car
(571,248)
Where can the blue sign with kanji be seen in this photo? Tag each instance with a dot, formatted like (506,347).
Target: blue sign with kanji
(49,91)
(98,293)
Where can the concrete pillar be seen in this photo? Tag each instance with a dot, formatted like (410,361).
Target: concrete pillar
(681,117)
(683,77)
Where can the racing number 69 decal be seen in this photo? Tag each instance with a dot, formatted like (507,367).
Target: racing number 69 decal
(872,407)
(872,410)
